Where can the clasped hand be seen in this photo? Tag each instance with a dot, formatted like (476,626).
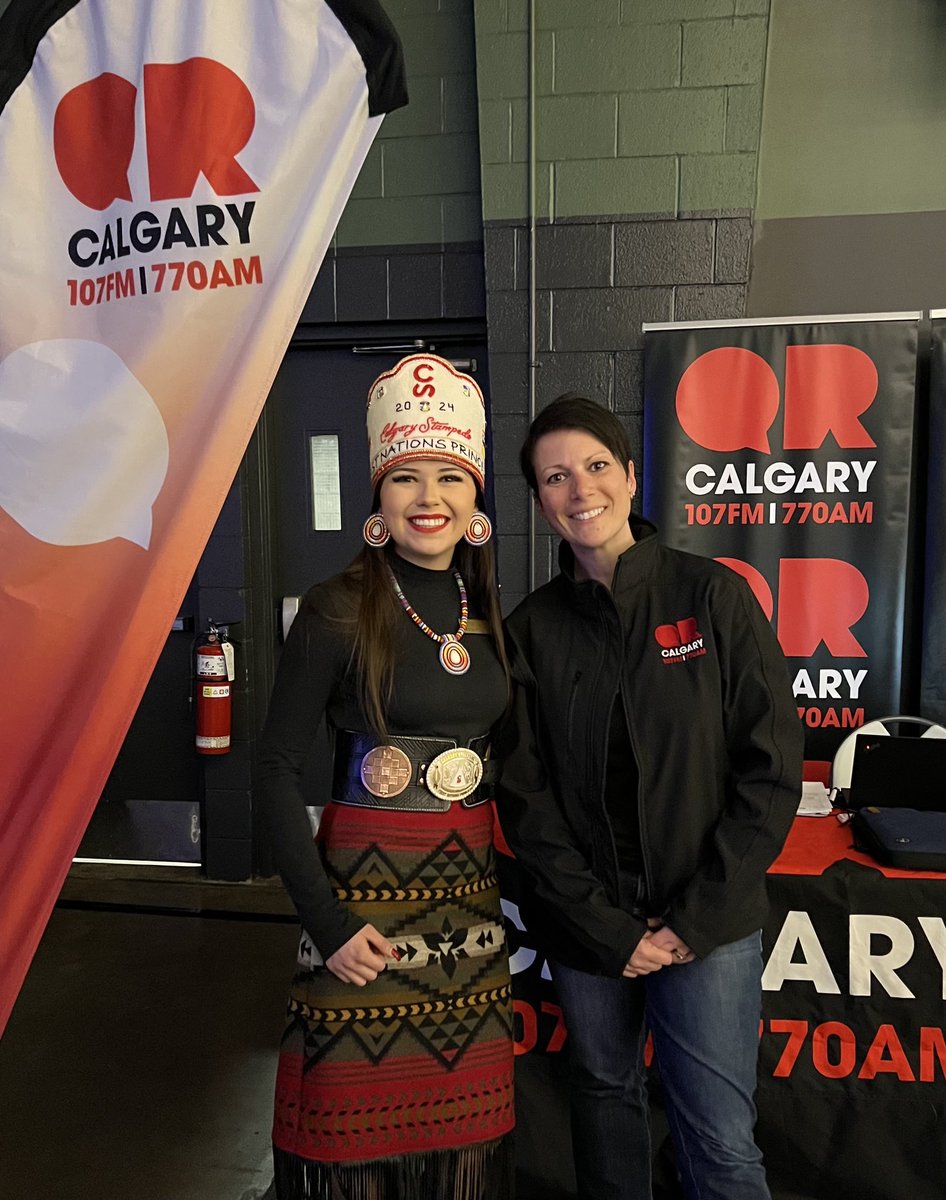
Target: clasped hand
(659,947)
(362,958)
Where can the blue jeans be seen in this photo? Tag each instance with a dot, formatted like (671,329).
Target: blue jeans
(704,1016)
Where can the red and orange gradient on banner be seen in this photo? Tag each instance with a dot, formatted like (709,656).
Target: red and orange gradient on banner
(164,220)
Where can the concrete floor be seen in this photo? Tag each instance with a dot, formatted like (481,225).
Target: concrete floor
(138,1063)
(139,1060)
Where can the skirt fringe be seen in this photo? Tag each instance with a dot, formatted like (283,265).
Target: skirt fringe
(480,1172)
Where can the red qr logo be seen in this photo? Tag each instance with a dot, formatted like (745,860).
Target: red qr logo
(727,399)
(198,116)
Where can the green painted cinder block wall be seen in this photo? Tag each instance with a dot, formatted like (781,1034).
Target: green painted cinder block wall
(643,107)
(654,107)
(421,181)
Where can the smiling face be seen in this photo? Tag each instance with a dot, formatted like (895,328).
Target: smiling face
(427,505)
(584,493)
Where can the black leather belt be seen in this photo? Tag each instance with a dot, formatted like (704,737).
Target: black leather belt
(421,774)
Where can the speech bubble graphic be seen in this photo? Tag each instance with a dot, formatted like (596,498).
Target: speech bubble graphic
(83,448)
(727,399)
(93,139)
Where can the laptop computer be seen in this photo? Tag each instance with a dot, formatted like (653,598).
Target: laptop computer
(898,772)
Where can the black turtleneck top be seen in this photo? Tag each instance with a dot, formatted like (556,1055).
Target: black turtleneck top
(316,679)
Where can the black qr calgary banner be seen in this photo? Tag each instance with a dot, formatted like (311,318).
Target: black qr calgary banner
(852,1049)
(786,452)
(852,1062)
(544,1168)
(933,658)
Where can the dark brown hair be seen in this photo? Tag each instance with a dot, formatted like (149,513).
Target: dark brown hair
(374,611)
(572,411)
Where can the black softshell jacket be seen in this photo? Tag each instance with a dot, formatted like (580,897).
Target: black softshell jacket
(713,727)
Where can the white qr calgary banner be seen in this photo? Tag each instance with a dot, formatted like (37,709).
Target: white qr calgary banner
(171,173)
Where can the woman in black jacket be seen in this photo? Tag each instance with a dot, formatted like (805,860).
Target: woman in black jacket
(651,774)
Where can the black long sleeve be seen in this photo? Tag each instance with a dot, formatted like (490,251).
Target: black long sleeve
(315,680)
(312,664)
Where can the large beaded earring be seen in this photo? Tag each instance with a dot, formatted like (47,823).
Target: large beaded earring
(479,530)
(375,532)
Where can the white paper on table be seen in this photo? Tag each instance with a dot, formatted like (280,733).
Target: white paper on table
(814,800)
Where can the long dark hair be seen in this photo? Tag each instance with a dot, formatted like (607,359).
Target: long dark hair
(373,611)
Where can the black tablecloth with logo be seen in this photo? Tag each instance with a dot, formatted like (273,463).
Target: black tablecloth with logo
(852,1065)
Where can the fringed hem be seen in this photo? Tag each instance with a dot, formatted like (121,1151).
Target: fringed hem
(481,1172)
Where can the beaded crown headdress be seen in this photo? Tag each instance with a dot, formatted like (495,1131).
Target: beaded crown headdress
(425,408)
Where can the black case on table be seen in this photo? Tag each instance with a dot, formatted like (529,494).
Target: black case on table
(908,838)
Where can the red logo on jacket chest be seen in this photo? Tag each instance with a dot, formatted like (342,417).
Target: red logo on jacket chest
(679,642)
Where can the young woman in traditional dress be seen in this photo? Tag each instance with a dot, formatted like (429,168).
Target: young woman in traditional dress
(395,1074)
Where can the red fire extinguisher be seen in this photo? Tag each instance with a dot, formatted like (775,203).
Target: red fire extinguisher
(214,676)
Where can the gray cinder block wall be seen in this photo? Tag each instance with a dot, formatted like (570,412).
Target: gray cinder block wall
(647,117)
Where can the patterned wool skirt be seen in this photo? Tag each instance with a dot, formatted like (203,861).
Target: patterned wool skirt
(402,1090)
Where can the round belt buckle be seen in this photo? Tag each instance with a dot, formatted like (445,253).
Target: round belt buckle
(454,774)
(385,771)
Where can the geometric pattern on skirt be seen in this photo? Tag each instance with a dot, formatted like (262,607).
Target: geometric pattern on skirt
(420,1060)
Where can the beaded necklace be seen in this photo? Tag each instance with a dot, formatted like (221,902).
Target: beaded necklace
(454,658)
